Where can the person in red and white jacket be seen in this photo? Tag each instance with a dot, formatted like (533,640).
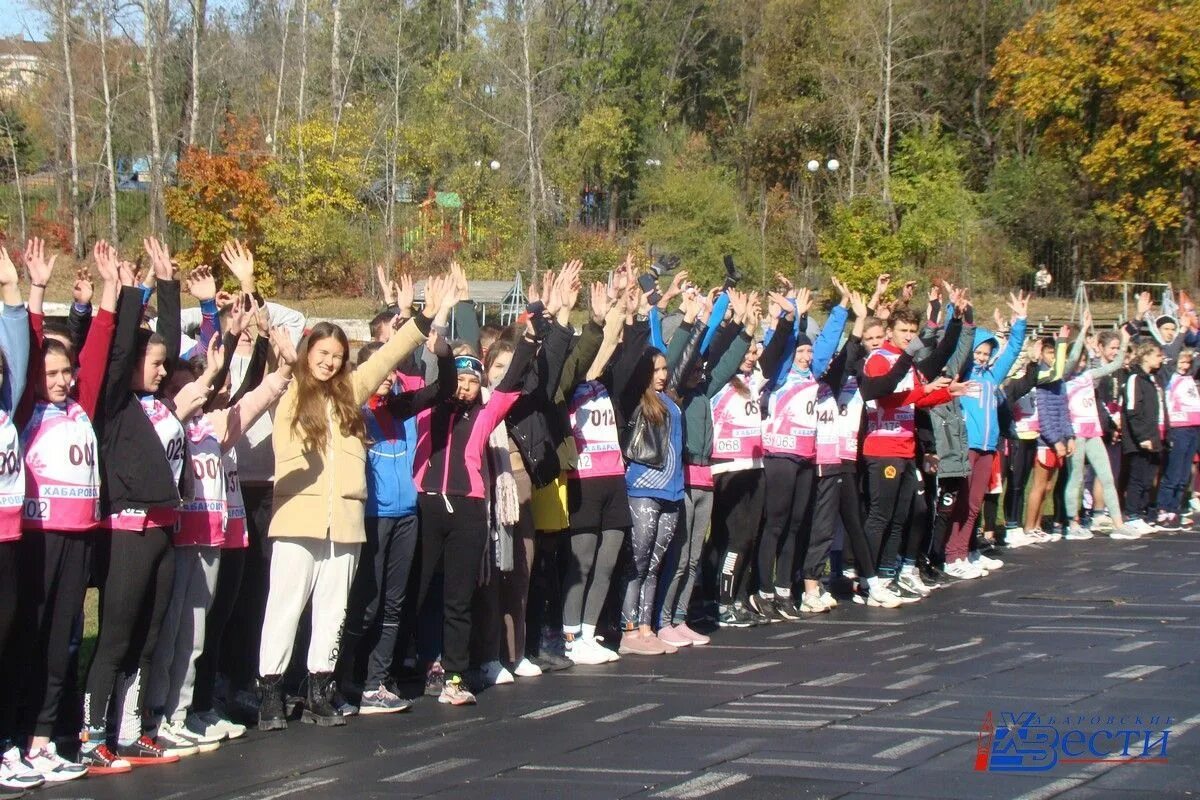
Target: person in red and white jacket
(890,447)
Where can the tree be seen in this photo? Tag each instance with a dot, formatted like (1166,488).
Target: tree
(1111,86)
(223,195)
(930,195)
(859,245)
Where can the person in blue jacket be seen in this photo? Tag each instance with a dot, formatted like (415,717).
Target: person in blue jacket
(377,594)
(984,373)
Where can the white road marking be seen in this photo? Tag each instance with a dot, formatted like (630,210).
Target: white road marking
(935,707)
(429,770)
(291,787)
(834,679)
(996,593)
(604,770)
(1192,598)
(851,726)
(758,723)
(909,683)
(972,642)
(629,712)
(744,668)
(901,649)
(1135,671)
(803,764)
(885,635)
(1131,646)
(1123,565)
(904,748)
(703,785)
(846,635)
(557,708)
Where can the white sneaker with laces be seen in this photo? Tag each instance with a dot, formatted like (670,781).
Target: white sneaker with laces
(984,562)
(232,730)
(1125,533)
(879,596)
(910,579)
(16,774)
(177,733)
(495,674)
(1077,533)
(54,768)
(829,600)
(526,669)
(1102,522)
(962,569)
(811,604)
(609,654)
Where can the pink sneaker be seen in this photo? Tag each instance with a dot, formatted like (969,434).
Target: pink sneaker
(673,637)
(633,643)
(698,639)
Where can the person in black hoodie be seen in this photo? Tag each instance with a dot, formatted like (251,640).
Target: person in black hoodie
(1143,425)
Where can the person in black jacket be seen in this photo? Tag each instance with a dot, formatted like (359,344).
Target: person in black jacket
(142,455)
(1142,427)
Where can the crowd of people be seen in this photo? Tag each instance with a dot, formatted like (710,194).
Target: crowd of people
(275,532)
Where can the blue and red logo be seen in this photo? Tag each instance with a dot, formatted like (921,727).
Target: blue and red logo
(1027,742)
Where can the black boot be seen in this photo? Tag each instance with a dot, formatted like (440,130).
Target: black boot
(271,716)
(318,703)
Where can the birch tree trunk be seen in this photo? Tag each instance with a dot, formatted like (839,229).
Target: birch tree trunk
(530,138)
(300,112)
(64,24)
(283,39)
(152,12)
(109,164)
(199,13)
(12,149)
(886,144)
(335,62)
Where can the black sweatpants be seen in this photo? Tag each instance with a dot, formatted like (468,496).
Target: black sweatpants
(240,644)
(229,584)
(453,539)
(837,496)
(950,492)
(891,485)
(1139,492)
(788,507)
(12,662)
(736,523)
(135,572)
(54,574)
(551,554)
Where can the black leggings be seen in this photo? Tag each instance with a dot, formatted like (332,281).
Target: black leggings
(736,523)
(1020,467)
(837,495)
(135,571)
(54,573)
(788,506)
(229,583)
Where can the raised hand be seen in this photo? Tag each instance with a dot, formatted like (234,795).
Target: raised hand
(460,285)
(241,313)
(804,301)
(160,259)
(1086,319)
(882,283)
(8,270)
(842,290)
(127,270)
(1019,303)
(281,344)
(82,290)
(404,292)
(238,259)
(40,268)
(935,294)
(1145,304)
(435,289)
(738,301)
(907,291)
(201,284)
(385,285)
(753,315)
(937,384)
(998,318)
(787,286)
(600,302)
(568,285)
(783,304)
(859,304)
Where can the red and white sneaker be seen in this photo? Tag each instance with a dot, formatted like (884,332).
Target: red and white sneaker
(145,753)
(100,760)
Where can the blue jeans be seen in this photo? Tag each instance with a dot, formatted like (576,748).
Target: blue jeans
(1173,486)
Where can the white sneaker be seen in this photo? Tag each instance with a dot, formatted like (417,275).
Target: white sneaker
(1077,533)
(850,573)
(985,562)
(811,604)
(1139,526)
(910,579)
(494,674)
(526,669)
(1037,536)
(1125,533)
(1194,503)
(16,774)
(1102,522)
(879,596)
(177,736)
(1017,537)
(580,652)
(214,726)
(609,654)
(829,600)
(53,767)
(962,569)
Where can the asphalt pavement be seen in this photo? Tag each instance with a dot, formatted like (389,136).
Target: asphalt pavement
(858,703)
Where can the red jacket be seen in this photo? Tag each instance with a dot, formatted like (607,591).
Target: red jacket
(891,423)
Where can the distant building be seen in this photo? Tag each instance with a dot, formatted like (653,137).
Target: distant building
(21,64)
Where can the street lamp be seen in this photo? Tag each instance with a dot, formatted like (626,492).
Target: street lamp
(653,162)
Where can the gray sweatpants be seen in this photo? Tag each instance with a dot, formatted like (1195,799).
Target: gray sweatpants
(685,556)
(1097,455)
(181,639)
